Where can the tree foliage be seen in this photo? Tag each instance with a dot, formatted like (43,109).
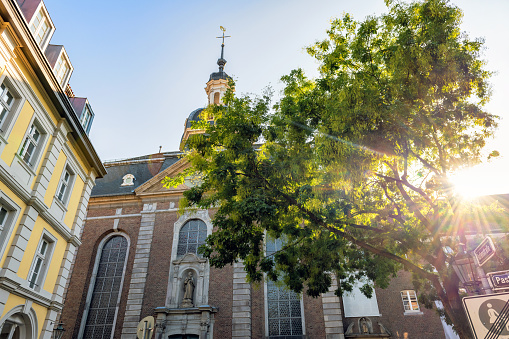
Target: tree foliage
(352,168)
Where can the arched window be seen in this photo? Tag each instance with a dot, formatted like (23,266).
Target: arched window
(105,297)
(284,307)
(191,236)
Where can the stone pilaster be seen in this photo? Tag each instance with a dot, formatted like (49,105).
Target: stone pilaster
(139,274)
(332,313)
(241,313)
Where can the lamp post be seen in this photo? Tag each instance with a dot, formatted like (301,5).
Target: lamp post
(466,269)
(58,331)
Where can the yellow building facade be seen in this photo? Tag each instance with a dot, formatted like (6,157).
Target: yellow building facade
(48,168)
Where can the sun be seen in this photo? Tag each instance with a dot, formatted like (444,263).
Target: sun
(486,179)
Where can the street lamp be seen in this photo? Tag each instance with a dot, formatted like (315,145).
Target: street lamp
(464,266)
(58,331)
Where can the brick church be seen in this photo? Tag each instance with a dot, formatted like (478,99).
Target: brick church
(139,258)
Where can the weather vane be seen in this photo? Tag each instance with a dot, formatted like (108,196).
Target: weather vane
(224,36)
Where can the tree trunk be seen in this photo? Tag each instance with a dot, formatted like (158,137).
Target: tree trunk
(454,308)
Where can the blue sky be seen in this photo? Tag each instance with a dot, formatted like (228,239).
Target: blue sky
(144,65)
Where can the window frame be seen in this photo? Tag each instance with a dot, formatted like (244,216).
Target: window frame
(12,110)
(64,66)
(406,293)
(68,185)
(37,150)
(13,211)
(45,258)
(266,303)
(93,279)
(126,178)
(41,9)
(198,244)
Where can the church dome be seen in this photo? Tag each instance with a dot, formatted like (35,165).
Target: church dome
(194,116)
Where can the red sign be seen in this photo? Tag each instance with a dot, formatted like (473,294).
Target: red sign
(484,251)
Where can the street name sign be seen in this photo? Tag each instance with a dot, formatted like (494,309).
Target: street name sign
(484,251)
(483,311)
(499,280)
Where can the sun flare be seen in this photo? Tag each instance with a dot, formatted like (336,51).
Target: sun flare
(480,181)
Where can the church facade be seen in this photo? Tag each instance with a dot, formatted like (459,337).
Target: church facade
(139,258)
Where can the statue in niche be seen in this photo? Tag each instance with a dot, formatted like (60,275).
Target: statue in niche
(364,327)
(187,301)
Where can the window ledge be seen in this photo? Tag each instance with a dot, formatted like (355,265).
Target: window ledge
(413,313)
(25,165)
(61,204)
(2,139)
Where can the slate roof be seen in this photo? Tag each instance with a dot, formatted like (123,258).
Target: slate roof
(219,75)
(52,52)
(194,116)
(143,168)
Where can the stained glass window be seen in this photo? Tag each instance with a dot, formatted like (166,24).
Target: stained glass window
(104,300)
(191,236)
(284,306)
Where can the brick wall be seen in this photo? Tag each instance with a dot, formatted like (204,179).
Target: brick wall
(221,296)
(313,317)
(94,231)
(159,263)
(425,325)
(258,311)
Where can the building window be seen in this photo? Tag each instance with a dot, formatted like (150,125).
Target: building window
(30,145)
(8,214)
(107,286)
(356,304)
(284,308)
(40,27)
(3,218)
(61,70)
(6,102)
(410,301)
(86,118)
(9,102)
(64,186)
(40,263)
(191,236)
(128,180)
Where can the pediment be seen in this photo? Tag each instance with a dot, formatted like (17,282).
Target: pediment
(154,185)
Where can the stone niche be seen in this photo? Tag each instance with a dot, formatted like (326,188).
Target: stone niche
(193,316)
(365,327)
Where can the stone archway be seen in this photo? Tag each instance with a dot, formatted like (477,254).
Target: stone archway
(16,326)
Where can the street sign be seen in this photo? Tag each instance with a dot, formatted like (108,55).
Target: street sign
(145,328)
(483,313)
(484,251)
(499,280)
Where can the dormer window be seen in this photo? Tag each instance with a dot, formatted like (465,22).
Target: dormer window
(62,69)
(128,180)
(86,118)
(40,27)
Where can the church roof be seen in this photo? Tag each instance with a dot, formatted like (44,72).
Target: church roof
(142,168)
(219,75)
(194,116)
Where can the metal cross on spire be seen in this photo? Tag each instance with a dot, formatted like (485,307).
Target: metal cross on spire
(221,62)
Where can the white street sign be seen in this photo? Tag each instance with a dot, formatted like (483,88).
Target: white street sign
(482,312)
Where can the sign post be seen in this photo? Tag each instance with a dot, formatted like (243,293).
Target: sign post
(488,315)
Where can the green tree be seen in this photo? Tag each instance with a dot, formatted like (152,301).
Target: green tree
(351,169)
